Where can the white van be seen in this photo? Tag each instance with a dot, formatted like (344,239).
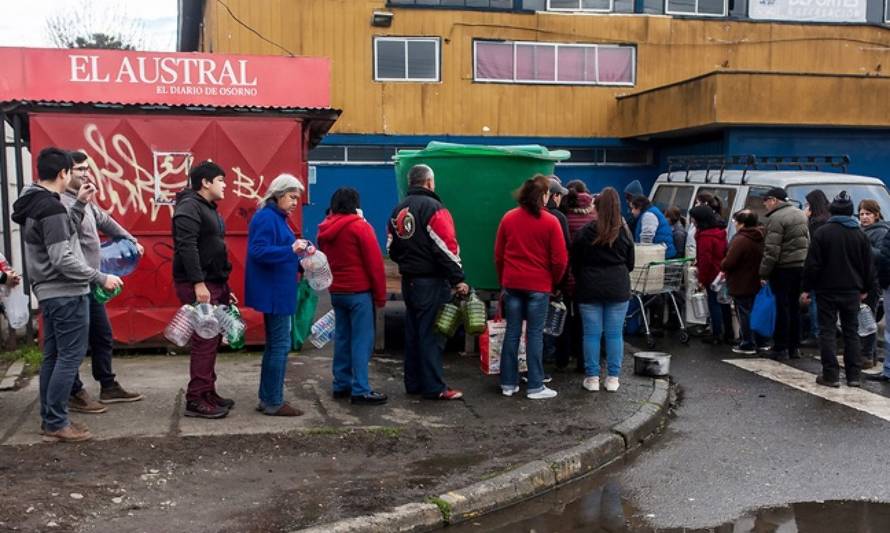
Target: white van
(745,188)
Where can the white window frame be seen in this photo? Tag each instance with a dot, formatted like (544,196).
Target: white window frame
(556,81)
(580,9)
(668,11)
(886,11)
(406,40)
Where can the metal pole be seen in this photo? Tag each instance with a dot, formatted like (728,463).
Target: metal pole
(4,193)
(20,185)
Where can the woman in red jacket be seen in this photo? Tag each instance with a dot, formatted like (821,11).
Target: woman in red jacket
(710,249)
(530,257)
(359,285)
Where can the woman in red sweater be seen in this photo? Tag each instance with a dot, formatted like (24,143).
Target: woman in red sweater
(359,285)
(710,249)
(530,257)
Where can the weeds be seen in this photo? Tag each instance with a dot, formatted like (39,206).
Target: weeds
(31,355)
(444,507)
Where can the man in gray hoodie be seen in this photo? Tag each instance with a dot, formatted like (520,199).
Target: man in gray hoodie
(101,339)
(60,279)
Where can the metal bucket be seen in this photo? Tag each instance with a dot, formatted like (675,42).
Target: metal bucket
(652,364)
(699,301)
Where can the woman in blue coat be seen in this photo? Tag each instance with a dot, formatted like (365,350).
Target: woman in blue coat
(651,226)
(270,285)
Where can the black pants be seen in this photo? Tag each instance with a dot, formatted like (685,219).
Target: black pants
(101,344)
(423,346)
(785,284)
(569,343)
(846,305)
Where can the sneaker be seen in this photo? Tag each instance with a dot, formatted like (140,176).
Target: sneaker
(117,394)
(509,390)
(342,394)
(372,398)
(824,382)
(765,348)
(591,383)
(82,403)
(612,383)
(855,383)
(285,410)
(547,378)
(778,355)
(213,397)
(543,394)
(450,394)
(745,349)
(794,354)
(76,425)
(69,433)
(204,409)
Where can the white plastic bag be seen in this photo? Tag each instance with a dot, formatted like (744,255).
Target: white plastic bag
(18,307)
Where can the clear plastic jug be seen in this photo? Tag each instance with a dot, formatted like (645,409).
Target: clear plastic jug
(867,324)
(323,330)
(475,315)
(317,270)
(206,324)
(119,257)
(230,326)
(556,318)
(179,330)
(18,307)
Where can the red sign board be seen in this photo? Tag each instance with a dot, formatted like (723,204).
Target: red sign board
(128,77)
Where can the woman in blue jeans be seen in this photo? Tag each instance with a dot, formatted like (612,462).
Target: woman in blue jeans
(270,285)
(530,257)
(602,259)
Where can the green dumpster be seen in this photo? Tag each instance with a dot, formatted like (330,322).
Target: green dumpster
(476,184)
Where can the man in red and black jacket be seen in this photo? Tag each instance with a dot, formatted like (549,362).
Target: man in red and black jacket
(422,241)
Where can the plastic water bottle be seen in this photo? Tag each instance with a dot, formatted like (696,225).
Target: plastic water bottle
(867,324)
(206,324)
(230,324)
(556,318)
(102,295)
(18,307)
(474,315)
(119,257)
(318,271)
(323,330)
(179,330)
(448,319)
(236,341)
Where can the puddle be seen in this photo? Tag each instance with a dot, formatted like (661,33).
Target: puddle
(604,510)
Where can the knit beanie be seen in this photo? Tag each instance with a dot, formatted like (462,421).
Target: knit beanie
(842,205)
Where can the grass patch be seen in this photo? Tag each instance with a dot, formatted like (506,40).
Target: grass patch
(392,433)
(444,507)
(31,355)
(326,430)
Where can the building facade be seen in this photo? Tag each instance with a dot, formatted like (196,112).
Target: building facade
(622,84)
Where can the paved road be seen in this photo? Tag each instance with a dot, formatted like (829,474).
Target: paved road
(748,434)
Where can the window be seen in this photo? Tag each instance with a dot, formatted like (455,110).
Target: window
(726,197)
(580,5)
(479,4)
(356,154)
(406,59)
(606,156)
(569,64)
(702,8)
(667,196)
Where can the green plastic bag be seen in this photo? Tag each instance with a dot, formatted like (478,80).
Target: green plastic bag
(301,322)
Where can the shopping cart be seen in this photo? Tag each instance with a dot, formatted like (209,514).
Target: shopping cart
(653,282)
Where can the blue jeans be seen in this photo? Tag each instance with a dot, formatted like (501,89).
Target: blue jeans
(65,334)
(532,308)
(814,316)
(353,341)
(274,367)
(423,346)
(716,312)
(603,318)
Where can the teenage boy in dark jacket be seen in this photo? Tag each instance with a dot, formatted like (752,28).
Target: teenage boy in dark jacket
(60,279)
(838,267)
(422,241)
(201,274)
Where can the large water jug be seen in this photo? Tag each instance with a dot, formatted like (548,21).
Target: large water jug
(119,257)
(474,315)
(556,318)
(179,330)
(448,319)
(867,324)
(323,330)
(230,325)
(206,324)
(18,307)
(317,270)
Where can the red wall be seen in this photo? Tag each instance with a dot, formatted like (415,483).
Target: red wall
(123,149)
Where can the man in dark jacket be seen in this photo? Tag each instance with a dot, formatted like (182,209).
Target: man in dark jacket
(883,264)
(422,241)
(201,274)
(784,252)
(839,268)
(60,279)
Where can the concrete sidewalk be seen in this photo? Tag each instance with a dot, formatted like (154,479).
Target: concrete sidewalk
(348,460)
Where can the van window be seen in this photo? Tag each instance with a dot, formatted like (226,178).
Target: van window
(726,196)
(879,193)
(754,202)
(673,195)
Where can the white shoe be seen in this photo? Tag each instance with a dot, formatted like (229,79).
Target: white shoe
(509,391)
(543,394)
(612,383)
(592,383)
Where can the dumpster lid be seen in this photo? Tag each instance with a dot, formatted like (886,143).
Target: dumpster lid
(444,149)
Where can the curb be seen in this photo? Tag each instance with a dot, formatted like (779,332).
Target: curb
(521,483)
(13,373)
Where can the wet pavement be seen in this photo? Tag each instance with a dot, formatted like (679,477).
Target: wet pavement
(741,453)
